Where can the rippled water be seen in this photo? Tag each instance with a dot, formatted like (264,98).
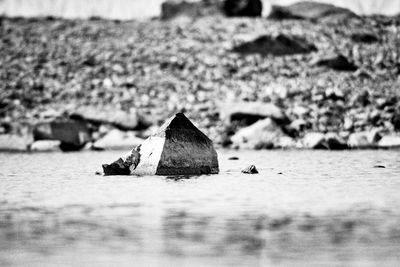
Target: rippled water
(304,208)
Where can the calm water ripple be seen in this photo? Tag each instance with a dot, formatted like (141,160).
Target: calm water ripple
(304,208)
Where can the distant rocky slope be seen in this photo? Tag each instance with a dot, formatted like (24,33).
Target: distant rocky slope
(115,75)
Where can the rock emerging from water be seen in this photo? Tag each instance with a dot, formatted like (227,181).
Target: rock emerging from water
(250,170)
(177,148)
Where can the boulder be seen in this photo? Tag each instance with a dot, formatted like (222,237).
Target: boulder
(178,147)
(365,139)
(315,140)
(249,112)
(124,120)
(337,62)
(46,145)
(14,142)
(277,46)
(72,134)
(176,8)
(262,134)
(117,139)
(389,141)
(309,10)
(335,142)
(243,8)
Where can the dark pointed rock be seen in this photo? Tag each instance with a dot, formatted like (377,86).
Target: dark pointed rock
(243,8)
(278,46)
(72,134)
(178,148)
(337,62)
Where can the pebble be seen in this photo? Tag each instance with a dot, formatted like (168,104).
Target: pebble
(250,170)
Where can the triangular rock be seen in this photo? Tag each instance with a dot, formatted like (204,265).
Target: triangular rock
(178,147)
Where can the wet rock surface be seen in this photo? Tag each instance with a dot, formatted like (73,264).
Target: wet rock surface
(177,148)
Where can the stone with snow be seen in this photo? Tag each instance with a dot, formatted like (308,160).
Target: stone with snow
(177,148)
(262,134)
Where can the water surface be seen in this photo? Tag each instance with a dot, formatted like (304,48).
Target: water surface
(305,208)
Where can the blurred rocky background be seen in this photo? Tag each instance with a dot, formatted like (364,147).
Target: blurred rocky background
(250,73)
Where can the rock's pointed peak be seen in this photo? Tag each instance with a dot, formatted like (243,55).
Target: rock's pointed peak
(179,123)
(179,120)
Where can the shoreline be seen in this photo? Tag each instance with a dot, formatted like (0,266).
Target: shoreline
(190,66)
